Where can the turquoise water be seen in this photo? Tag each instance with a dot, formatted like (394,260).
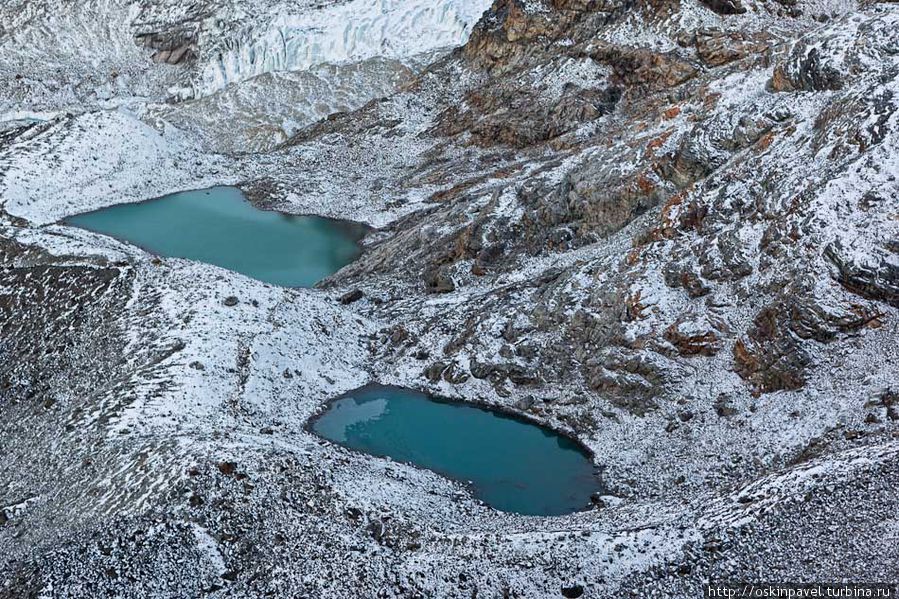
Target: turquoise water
(221,227)
(511,465)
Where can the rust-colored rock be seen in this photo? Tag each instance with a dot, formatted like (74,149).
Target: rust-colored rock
(695,335)
(716,48)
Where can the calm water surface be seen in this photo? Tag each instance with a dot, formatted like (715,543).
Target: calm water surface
(221,227)
(511,465)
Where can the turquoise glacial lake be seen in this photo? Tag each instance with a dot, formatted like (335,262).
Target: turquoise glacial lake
(509,464)
(219,226)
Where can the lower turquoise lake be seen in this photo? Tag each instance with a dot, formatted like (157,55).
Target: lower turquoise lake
(510,464)
(219,226)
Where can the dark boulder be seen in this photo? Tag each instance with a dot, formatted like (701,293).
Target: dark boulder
(351,296)
(573,592)
(725,7)
(439,280)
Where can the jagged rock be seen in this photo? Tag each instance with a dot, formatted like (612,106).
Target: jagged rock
(644,69)
(176,37)
(888,400)
(810,319)
(680,275)
(771,358)
(631,380)
(726,258)
(434,371)
(499,39)
(873,274)
(439,280)
(455,375)
(593,200)
(716,48)
(695,335)
(806,72)
(709,146)
(175,56)
(519,117)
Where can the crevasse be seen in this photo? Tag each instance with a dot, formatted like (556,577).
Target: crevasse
(351,32)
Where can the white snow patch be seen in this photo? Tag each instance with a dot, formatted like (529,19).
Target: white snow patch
(99,159)
(209,548)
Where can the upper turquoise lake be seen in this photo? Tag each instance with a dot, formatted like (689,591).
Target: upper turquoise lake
(219,226)
(510,464)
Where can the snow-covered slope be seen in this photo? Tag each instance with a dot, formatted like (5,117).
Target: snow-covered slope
(669,229)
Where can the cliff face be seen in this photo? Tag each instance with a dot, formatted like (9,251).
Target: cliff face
(668,228)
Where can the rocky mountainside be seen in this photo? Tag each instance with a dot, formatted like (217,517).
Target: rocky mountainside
(668,228)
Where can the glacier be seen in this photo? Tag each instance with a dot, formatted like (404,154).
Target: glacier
(338,34)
